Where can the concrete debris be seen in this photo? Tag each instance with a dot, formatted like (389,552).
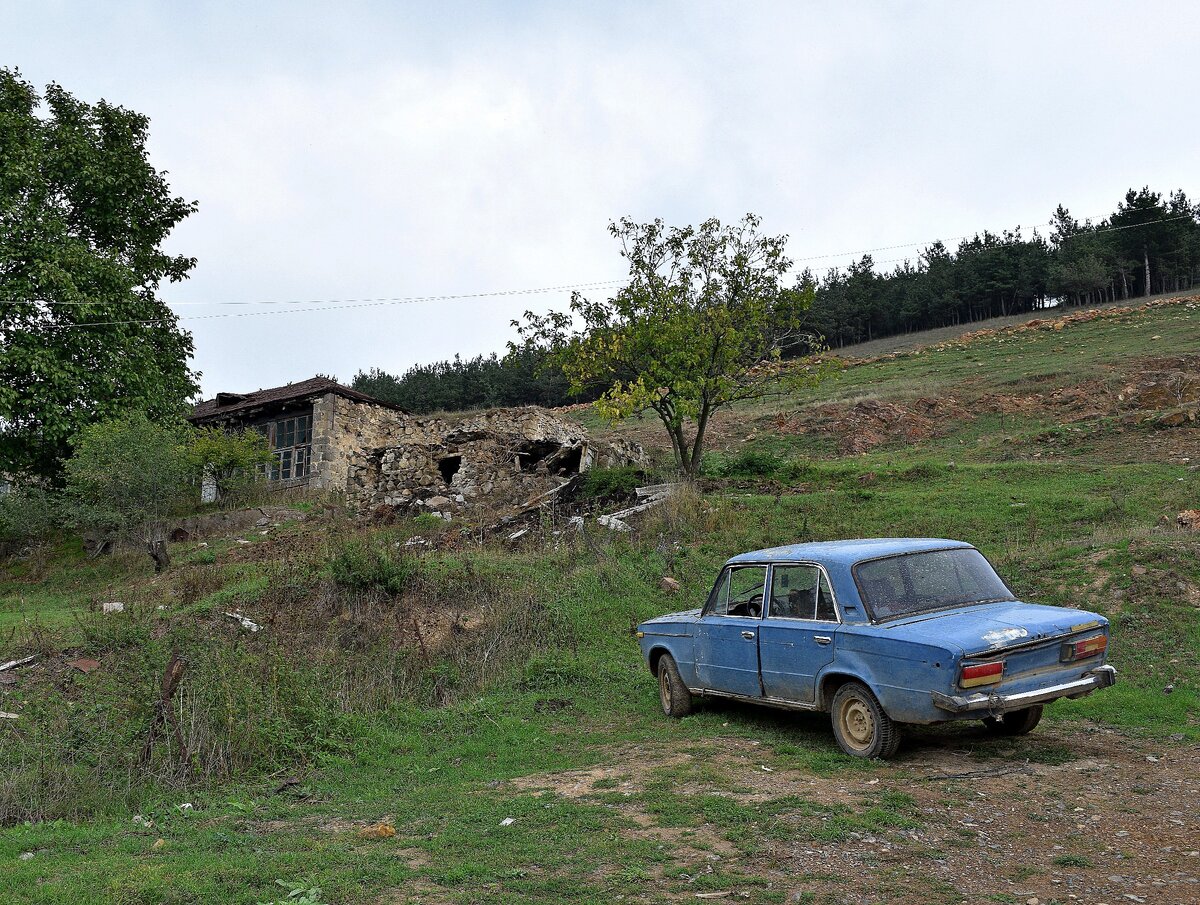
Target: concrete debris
(612,523)
(13,664)
(416,542)
(508,821)
(26,856)
(7,716)
(246,623)
(143,822)
(113,607)
(575,523)
(517,535)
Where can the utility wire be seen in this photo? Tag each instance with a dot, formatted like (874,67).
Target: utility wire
(349,303)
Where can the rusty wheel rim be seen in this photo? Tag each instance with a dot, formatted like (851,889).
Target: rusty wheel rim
(664,689)
(857,723)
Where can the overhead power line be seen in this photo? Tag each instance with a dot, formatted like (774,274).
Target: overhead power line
(351,303)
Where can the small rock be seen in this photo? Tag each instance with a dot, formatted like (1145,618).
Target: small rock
(669,584)
(112,607)
(437,502)
(381,830)
(508,821)
(26,856)
(262,522)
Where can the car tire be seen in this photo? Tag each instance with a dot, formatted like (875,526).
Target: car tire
(1015,722)
(673,695)
(861,727)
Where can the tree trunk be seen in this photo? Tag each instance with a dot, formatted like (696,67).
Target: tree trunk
(693,469)
(158,552)
(1146,258)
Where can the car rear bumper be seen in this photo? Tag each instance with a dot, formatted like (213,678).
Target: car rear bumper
(1100,677)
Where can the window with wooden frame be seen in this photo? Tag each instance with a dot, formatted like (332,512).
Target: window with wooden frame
(291,444)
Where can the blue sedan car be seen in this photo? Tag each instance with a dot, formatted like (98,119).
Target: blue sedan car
(877,633)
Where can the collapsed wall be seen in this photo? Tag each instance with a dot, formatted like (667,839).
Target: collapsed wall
(494,462)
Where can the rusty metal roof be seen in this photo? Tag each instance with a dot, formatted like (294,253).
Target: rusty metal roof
(229,403)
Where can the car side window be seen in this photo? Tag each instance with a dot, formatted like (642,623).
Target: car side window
(794,591)
(801,592)
(739,592)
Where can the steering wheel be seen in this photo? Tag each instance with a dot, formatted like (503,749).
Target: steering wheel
(754,606)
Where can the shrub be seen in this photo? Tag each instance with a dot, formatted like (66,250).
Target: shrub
(361,567)
(29,514)
(232,460)
(750,464)
(610,483)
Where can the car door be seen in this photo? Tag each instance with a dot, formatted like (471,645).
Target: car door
(798,633)
(727,634)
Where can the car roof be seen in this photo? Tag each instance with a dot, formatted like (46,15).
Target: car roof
(848,552)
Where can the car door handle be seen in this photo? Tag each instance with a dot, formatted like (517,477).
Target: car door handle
(822,639)
(749,636)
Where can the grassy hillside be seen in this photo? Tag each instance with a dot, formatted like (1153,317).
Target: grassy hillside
(445,689)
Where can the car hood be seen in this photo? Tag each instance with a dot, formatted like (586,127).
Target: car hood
(670,618)
(989,627)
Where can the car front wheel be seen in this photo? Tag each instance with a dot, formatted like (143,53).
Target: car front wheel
(674,696)
(1015,722)
(860,725)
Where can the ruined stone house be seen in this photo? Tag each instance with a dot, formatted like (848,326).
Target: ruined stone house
(314,427)
(328,436)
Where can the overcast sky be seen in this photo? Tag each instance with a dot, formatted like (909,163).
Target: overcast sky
(378,150)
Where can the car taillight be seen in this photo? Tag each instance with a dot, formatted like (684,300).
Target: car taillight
(982,674)
(1080,650)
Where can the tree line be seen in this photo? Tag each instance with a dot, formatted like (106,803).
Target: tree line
(1149,245)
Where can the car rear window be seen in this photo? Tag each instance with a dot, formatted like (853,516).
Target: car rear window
(923,582)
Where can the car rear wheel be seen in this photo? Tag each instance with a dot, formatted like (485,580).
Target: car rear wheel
(1015,722)
(673,695)
(860,725)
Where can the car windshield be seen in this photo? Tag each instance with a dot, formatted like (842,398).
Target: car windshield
(923,582)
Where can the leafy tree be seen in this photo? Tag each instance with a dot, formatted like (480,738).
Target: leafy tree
(232,460)
(126,476)
(83,217)
(700,325)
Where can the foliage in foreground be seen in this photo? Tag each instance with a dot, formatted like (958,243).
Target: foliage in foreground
(83,219)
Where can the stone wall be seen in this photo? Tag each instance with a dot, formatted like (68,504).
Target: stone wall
(342,429)
(493,462)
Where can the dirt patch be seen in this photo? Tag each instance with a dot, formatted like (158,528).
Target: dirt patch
(1064,815)
(864,425)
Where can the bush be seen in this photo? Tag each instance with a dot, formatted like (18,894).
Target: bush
(363,567)
(29,514)
(233,460)
(750,464)
(611,483)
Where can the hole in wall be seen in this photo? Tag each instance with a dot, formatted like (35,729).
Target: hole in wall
(449,466)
